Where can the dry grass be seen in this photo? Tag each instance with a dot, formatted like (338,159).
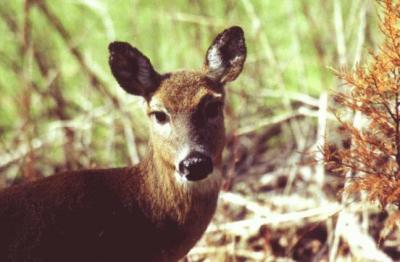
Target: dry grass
(59,111)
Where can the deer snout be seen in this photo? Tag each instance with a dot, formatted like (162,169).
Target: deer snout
(196,166)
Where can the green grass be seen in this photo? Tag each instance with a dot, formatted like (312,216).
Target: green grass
(290,45)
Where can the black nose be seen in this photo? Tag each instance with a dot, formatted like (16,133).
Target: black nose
(196,166)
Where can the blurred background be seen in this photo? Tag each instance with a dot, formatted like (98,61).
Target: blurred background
(61,109)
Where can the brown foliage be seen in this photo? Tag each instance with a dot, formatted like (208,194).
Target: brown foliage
(374,154)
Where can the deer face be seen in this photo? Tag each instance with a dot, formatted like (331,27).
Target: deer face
(185,108)
(187,123)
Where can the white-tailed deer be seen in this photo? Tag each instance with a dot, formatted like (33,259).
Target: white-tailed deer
(155,211)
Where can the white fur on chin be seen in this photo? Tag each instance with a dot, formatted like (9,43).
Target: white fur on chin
(211,183)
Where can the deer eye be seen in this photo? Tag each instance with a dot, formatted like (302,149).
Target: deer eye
(160,117)
(213,110)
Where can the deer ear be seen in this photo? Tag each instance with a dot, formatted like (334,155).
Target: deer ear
(226,55)
(132,70)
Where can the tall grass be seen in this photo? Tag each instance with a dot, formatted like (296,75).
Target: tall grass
(60,104)
(61,109)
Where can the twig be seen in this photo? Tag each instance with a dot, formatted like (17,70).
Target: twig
(340,39)
(130,141)
(194,19)
(269,53)
(298,97)
(237,199)
(397,130)
(210,251)
(362,246)
(321,132)
(315,214)
(267,122)
(292,174)
(341,48)
(59,27)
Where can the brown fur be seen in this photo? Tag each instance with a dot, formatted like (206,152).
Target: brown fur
(115,214)
(181,94)
(183,90)
(102,215)
(143,213)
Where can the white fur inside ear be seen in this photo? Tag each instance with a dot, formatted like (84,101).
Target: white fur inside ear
(215,64)
(214,58)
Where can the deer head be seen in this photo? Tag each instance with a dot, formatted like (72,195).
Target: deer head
(185,108)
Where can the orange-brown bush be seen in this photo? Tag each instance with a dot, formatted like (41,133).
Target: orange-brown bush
(373,158)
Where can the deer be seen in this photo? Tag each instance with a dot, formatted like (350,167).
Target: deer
(153,211)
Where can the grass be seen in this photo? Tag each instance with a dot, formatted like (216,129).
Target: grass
(60,107)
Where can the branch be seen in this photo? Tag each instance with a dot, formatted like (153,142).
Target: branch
(59,27)
(397,131)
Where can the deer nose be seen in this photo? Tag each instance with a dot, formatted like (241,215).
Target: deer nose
(196,166)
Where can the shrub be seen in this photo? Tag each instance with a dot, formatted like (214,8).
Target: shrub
(373,90)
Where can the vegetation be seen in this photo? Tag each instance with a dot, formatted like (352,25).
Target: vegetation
(60,109)
(372,157)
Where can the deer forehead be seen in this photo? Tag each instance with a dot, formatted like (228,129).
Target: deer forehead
(183,92)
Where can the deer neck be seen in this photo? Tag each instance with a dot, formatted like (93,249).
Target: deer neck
(167,196)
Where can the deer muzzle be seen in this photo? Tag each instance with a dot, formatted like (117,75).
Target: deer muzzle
(196,166)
